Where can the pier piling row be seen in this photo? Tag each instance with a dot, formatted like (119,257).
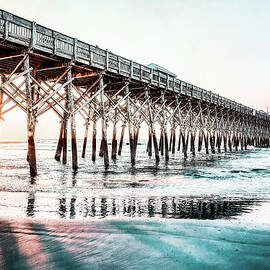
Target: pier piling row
(42,70)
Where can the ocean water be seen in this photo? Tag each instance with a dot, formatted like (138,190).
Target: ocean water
(206,212)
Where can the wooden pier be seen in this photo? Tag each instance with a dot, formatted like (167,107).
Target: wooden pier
(42,70)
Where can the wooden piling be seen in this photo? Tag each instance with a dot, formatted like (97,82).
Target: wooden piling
(149,144)
(130,130)
(235,140)
(179,140)
(85,138)
(242,142)
(206,141)
(101,147)
(225,142)
(152,127)
(72,124)
(65,123)
(200,141)
(64,157)
(212,143)
(192,142)
(59,144)
(173,141)
(131,145)
(171,138)
(30,121)
(219,142)
(164,126)
(230,142)
(121,139)
(114,141)
(183,135)
(137,132)
(134,134)
(253,141)
(94,140)
(1,96)
(156,147)
(166,146)
(161,142)
(185,146)
(103,126)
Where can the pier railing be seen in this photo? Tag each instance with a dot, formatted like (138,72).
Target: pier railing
(21,31)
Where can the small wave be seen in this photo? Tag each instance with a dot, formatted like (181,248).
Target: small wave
(259,170)
(238,171)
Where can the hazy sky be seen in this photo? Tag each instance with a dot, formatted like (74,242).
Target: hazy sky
(219,45)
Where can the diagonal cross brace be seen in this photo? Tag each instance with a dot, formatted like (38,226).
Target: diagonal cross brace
(89,100)
(40,103)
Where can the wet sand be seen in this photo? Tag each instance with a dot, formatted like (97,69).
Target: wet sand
(133,244)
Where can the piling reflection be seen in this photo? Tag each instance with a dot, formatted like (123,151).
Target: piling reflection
(30,205)
(154,207)
(62,207)
(72,208)
(165,207)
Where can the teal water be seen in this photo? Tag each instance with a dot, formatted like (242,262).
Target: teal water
(207,212)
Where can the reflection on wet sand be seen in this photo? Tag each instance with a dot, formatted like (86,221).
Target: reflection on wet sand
(154,207)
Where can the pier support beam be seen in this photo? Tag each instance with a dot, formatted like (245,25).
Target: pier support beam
(206,141)
(114,140)
(64,158)
(179,140)
(191,129)
(103,126)
(136,138)
(212,142)
(72,123)
(192,142)
(149,144)
(164,126)
(1,98)
(85,138)
(30,121)
(200,141)
(121,139)
(180,123)
(171,138)
(94,140)
(219,140)
(101,148)
(161,142)
(130,129)
(152,131)
(225,141)
(173,141)
(185,139)
(59,144)
(230,141)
